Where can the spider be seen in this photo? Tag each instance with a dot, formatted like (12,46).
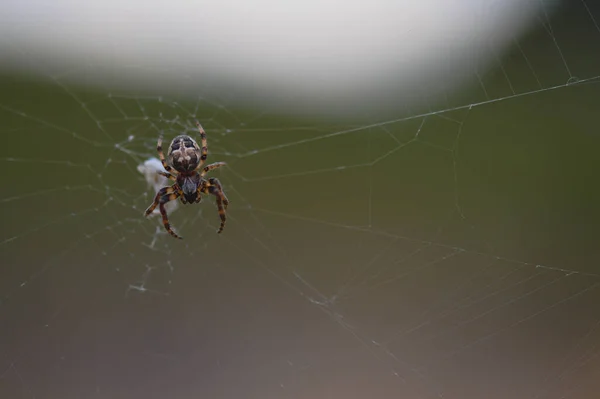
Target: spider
(186,158)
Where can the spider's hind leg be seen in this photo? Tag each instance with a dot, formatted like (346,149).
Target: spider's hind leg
(161,155)
(211,167)
(167,175)
(204,149)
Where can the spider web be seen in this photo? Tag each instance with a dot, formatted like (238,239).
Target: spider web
(446,253)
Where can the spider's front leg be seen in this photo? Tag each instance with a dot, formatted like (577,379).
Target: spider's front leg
(163,196)
(213,186)
(218,190)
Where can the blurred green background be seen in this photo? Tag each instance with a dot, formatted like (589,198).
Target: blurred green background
(472,221)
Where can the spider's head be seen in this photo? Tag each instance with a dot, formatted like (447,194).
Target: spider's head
(189,188)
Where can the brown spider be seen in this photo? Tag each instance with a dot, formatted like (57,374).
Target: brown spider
(186,158)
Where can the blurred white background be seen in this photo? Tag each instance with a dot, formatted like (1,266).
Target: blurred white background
(328,56)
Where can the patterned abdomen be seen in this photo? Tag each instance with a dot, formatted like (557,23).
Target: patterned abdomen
(184,153)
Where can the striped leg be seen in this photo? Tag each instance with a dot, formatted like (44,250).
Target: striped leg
(211,167)
(163,196)
(219,190)
(168,175)
(165,219)
(204,151)
(214,187)
(162,156)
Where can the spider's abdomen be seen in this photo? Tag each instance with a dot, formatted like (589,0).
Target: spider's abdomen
(184,153)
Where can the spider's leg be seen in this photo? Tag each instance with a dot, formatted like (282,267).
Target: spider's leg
(214,187)
(211,167)
(218,191)
(168,175)
(162,156)
(198,196)
(165,219)
(160,196)
(204,151)
(163,196)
